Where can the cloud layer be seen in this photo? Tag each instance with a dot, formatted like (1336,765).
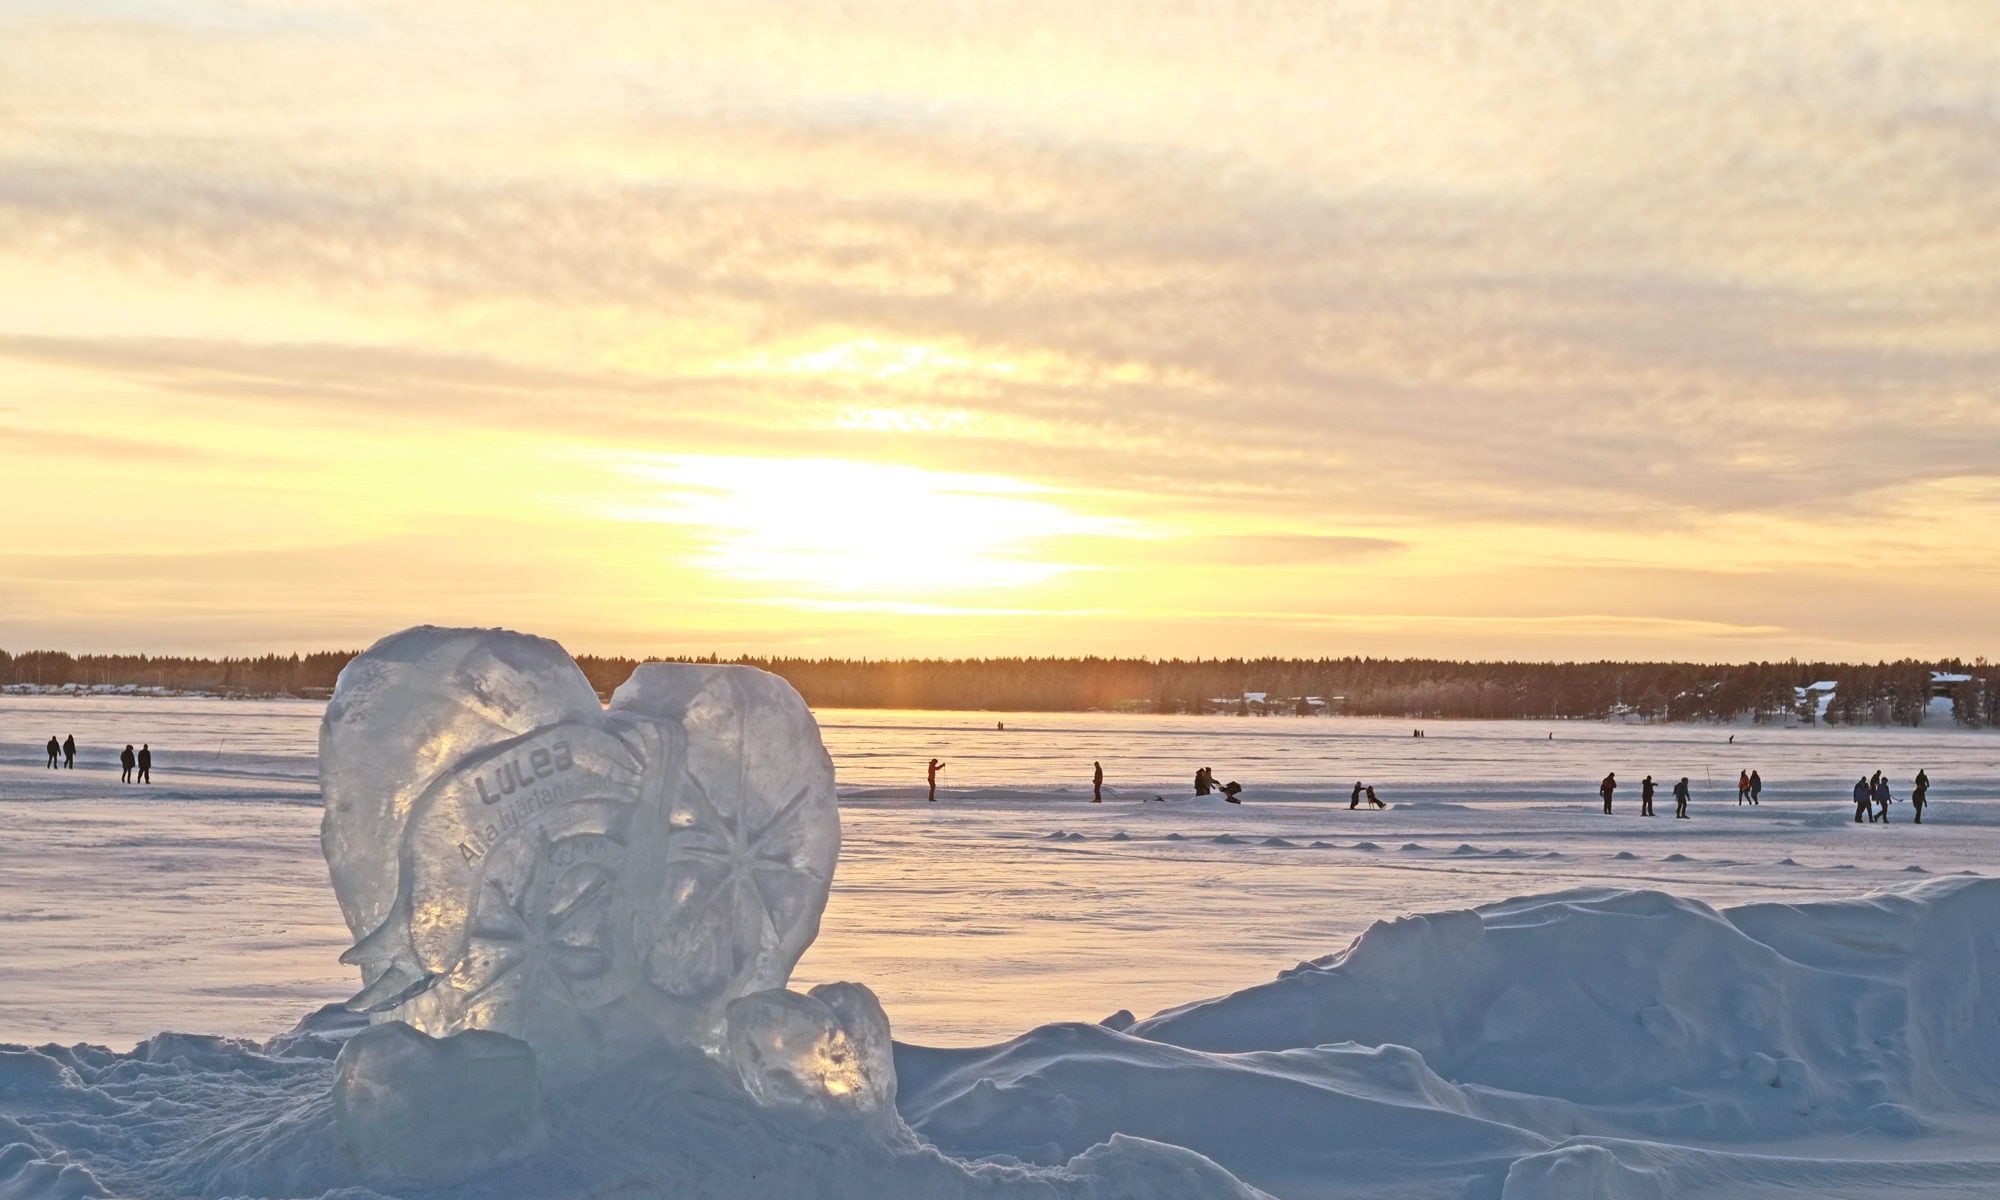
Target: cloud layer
(1315,318)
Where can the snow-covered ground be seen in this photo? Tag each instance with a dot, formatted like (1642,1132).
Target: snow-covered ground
(1707,1010)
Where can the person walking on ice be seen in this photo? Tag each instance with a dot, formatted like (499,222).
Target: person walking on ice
(146,763)
(1862,794)
(1756,786)
(55,753)
(1605,789)
(1681,799)
(1742,788)
(1882,797)
(1354,797)
(127,760)
(69,750)
(936,766)
(1646,796)
(1097,783)
(1919,796)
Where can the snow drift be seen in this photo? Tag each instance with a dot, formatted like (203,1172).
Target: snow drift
(1578,1044)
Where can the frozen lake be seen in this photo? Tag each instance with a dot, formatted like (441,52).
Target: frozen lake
(201,903)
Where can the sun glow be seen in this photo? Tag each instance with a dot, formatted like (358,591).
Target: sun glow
(852,527)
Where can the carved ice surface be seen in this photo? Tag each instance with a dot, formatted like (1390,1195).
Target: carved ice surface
(433,1108)
(512,856)
(826,1053)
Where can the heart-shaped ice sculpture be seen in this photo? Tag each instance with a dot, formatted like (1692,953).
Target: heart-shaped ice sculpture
(512,856)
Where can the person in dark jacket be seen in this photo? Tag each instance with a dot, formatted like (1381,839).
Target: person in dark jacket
(1681,798)
(126,760)
(1862,794)
(1354,797)
(146,763)
(1882,797)
(1097,783)
(935,767)
(69,750)
(1646,796)
(1203,781)
(1920,795)
(1756,785)
(1605,789)
(55,753)
(1372,801)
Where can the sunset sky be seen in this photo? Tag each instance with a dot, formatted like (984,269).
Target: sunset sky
(1538,329)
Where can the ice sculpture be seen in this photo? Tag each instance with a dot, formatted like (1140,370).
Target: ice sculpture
(514,857)
(434,1108)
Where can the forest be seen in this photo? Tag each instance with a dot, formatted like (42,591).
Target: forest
(1883,693)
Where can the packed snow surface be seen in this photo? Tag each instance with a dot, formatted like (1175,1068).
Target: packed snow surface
(1535,1000)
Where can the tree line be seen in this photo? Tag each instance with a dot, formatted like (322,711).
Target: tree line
(1883,693)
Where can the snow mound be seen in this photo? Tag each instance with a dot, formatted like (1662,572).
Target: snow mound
(209,1117)
(1563,1045)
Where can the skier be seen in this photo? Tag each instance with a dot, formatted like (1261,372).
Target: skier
(1756,785)
(146,763)
(1605,789)
(127,760)
(1646,796)
(1862,793)
(1681,798)
(1097,783)
(936,766)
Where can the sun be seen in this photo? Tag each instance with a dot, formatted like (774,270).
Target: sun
(857,528)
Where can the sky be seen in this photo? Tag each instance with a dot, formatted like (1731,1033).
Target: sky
(1634,329)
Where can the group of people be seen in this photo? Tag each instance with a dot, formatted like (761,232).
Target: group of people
(1646,789)
(137,764)
(1871,797)
(1204,783)
(1749,785)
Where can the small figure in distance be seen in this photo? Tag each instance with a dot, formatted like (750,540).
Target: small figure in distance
(1231,790)
(1919,796)
(127,760)
(1742,788)
(1204,779)
(1862,794)
(1373,802)
(1732,739)
(146,763)
(936,766)
(1354,797)
(1646,796)
(69,750)
(1882,797)
(55,753)
(1681,799)
(1756,786)
(1000,725)
(1605,789)
(1923,779)
(1097,783)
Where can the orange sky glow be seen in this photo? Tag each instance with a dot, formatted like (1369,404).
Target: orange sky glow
(1655,328)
